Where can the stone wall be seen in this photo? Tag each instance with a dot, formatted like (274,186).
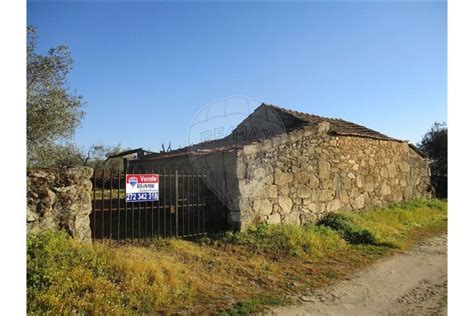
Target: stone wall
(305,174)
(60,199)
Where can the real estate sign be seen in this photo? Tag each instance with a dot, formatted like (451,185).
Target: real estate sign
(142,187)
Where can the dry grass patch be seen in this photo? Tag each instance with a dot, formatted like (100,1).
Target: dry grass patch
(231,273)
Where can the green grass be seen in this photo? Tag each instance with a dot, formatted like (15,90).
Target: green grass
(65,276)
(107,195)
(392,226)
(306,241)
(399,224)
(236,273)
(252,306)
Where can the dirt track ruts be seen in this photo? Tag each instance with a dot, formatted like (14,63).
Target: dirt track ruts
(409,283)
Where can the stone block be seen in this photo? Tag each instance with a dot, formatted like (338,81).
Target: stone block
(334,205)
(308,218)
(405,167)
(292,218)
(316,207)
(324,169)
(359,182)
(303,192)
(252,149)
(385,189)
(359,202)
(272,191)
(31,216)
(60,199)
(323,128)
(240,170)
(285,204)
(392,170)
(274,219)
(408,192)
(284,190)
(258,173)
(308,132)
(313,182)
(337,182)
(323,195)
(370,187)
(344,197)
(262,206)
(302,177)
(282,177)
(371,162)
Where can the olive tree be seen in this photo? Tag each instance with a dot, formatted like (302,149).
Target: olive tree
(53,111)
(98,157)
(435,146)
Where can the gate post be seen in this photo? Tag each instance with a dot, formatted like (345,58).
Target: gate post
(176,201)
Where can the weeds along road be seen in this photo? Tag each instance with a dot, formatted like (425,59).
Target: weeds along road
(409,283)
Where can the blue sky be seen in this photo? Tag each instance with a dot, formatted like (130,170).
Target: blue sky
(145,69)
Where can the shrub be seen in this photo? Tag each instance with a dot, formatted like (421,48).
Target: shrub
(68,277)
(351,232)
(308,240)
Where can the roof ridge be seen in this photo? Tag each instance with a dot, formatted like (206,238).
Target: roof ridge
(338,127)
(337,121)
(304,113)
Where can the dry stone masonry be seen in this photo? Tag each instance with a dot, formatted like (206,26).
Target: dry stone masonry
(300,171)
(301,176)
(60,199)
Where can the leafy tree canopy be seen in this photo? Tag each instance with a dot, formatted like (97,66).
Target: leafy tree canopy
(435,146)
(97,157)
(53,112)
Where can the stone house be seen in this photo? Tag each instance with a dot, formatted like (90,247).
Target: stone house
(283,166)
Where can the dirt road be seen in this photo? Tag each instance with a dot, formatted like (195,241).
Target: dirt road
(410,283)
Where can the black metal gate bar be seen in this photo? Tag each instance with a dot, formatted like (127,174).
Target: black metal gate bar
(158,207)
(126,211)
(139,216)
(118,206)
(183,209)
(198,207)
(180,211)
(169,204)
(93,207)
(103,206)
(133,217)
(111,176)
(152,204)
(176,202)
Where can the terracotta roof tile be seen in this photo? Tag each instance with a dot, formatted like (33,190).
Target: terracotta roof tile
(292,119)
(337,126)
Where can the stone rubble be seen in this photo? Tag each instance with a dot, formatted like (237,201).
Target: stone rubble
(314,173)
(60,199)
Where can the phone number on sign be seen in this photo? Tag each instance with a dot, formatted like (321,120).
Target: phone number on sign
(141,197)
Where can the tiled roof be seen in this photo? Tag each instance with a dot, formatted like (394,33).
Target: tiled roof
(292,120)
(337,126)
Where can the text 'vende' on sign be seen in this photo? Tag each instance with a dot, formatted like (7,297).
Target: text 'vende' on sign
(142,187)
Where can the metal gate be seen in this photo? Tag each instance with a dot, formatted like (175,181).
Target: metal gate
(185,208)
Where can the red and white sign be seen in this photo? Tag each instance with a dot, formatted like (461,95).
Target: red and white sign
(142,187)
